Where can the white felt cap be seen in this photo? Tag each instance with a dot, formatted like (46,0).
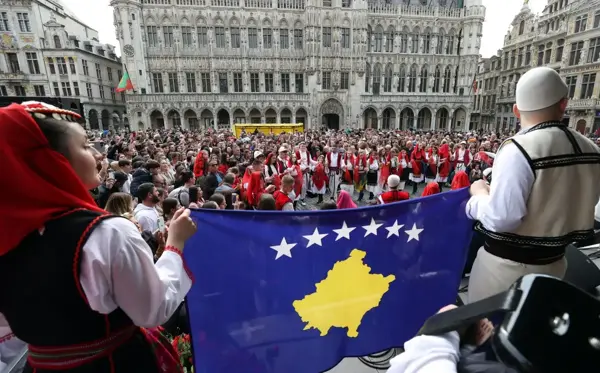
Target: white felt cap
(540,88)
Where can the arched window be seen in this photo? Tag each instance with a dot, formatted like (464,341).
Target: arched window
(415,41)
(387,80)
(423,82)
(412,79)
(447,76)
(57,42)
(404,42)
(378,39)
(389,40)
(436,79)
(427,41)
(376,79)
(521,27)
(402,79)
(450,44)
(439,49)
(369,34)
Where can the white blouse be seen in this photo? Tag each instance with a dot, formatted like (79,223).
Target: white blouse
(118,270)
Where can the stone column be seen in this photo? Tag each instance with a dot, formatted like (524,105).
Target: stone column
(397,122)
(293,118)
(433,120)
(215,121)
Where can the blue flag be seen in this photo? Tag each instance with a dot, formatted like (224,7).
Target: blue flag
(296,292)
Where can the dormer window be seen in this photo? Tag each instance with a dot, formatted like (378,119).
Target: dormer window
(521,27)
(57,43)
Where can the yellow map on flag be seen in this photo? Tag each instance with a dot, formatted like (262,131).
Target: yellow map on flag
(343,298)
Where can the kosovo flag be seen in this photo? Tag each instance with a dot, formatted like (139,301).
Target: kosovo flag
(296,292)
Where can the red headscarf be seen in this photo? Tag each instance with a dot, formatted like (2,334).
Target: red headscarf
(344,201)
(40,182)
(461,180)
(431,189)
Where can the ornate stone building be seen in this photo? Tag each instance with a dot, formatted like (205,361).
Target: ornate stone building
(323,63)
(45,50)
(565,37)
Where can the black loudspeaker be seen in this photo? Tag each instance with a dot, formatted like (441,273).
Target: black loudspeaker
(581,270)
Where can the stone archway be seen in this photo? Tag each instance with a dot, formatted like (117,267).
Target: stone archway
(332,112)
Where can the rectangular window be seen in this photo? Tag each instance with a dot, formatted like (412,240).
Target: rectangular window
(220,37)
(56,89)
(109,73)
(327,37)
(173,83)
(62,66)
(72,66)
(3,91)
(152,35)
(32,63)
(206,86)
(13,63)
(284,41)
(157,83)
(168,36)
(587,86)
(39,90)
(186,36)
(299,82)
(285,82)
(520,57)
(326,80)
(559,50)
(269,82)
(298,39)
(575,56)
(594,51)
(90,92)
(51,65)
(223,84)
(76,88)
(267,38)
(24,24)
(571,82)
(86,69)
(20,90)
(344,80)
(238,85)
(254,82)
(101,89)
(190,79)
(98,71)
(252,38)
(202,36)
(235,37)
(66,89)
(113,94)
(580,23)
(345,38)
(4,21)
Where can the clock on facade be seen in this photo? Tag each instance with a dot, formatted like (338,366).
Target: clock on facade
(129,50)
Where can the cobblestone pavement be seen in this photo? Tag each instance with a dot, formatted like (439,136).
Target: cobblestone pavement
(311,203)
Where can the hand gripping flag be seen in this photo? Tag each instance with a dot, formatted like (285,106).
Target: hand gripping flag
(296,292)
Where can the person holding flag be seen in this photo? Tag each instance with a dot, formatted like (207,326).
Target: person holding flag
(125,84)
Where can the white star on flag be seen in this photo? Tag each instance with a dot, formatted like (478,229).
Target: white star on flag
(343,232)
(413,233)
(394,229)
(371,228)
(283,248)
(315,238)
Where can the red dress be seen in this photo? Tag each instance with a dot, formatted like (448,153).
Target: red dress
(319,177)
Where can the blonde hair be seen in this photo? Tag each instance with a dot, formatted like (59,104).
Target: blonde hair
(119,204)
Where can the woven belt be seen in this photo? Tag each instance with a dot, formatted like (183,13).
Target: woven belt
(73,356)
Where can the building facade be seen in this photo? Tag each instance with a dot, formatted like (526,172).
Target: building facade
(565,37)
(323,63)
(46,51)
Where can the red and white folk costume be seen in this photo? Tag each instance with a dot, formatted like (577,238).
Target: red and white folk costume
(333,163)
(306,165)
(347,179)
(444,164)
(417,156)
(319,179)
(461,159)
(432,166)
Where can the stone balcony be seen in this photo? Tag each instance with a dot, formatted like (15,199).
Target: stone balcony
(218,99)
(584,104)
(417,99)
(16,77)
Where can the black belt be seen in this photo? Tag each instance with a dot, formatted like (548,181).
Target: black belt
(532,255)
(333,168)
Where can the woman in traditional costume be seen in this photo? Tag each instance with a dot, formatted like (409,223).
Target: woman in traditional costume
(360,173)
(416,161)
(372,174)
(460,180)
(96,287)
(320,179)
(432,165)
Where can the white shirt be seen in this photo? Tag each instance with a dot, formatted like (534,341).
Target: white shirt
(428,354)
(512,180)
(147,217)
(597,212)
(118,271)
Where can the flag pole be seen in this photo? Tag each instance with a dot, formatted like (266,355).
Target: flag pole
(127,71)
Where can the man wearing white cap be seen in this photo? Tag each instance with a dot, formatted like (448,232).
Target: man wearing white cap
(394,194)
(542,194)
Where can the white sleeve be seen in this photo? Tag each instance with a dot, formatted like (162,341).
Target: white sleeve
(505,207)
(118,270)
(288,207)
(428,354)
